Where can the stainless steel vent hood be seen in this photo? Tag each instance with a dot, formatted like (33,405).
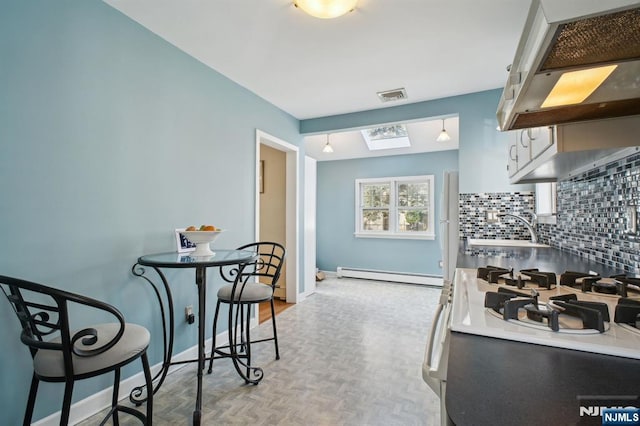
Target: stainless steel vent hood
(565,36)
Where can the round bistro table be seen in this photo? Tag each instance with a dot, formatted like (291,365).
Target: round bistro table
(174,260)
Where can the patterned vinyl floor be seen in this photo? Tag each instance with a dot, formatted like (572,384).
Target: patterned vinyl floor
(350,354)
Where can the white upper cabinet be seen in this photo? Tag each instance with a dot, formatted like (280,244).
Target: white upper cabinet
(526,145)
(546,154)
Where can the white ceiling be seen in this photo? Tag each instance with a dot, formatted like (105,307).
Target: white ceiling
(312,67)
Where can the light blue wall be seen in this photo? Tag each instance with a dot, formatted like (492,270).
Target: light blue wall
(336,244)
(483,149)
(109,139)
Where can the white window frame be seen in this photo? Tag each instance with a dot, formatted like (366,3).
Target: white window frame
(546,202)
(393,209)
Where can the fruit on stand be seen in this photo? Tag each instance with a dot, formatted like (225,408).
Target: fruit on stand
(203,228)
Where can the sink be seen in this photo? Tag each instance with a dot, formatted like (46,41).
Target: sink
(504,243)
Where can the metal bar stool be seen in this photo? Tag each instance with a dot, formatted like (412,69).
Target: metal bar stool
(252,284)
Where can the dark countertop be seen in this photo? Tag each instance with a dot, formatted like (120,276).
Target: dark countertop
(500,382)
(493,381)
(545,259)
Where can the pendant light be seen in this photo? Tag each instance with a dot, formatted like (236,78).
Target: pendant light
(326,9)
(443,136)
(327,147)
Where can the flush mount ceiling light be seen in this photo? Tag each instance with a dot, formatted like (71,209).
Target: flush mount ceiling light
(443,136)
(326,9)
(327,147)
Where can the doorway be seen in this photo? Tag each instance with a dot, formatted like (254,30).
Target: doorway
(279,305)
(277,184)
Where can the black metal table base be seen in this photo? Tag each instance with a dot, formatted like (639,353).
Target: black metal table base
(139,394)
(136,395)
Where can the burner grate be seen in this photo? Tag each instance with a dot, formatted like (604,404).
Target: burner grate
(543,279)
(498,275)
(593,315)
(620,285)
(627,285)
(492,273)
(628,312)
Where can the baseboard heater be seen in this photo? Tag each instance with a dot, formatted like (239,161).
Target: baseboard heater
(398,277)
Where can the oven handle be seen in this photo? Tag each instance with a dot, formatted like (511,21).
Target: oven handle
(432,334)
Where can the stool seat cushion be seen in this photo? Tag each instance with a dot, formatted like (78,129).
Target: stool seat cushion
(135,339)
(252,293)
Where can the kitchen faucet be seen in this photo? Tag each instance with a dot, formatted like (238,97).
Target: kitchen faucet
(529,225)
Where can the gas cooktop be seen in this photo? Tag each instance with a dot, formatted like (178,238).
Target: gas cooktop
(570,311)
(562,312)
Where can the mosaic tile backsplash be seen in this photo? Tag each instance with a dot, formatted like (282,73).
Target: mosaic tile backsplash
(592,215)
(474,222)
(591,221)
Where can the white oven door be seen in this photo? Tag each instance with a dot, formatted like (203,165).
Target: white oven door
(434,367)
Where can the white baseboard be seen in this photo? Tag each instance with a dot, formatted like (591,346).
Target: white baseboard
(399,277)
(101,400)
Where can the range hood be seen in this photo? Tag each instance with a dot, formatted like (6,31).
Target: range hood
(565,36)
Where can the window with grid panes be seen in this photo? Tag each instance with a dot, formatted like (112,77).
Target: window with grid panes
(395,207)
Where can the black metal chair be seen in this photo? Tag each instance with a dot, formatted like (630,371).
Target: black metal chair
(252,284)
(69,355)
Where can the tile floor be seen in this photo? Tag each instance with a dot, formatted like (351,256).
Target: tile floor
(351,354)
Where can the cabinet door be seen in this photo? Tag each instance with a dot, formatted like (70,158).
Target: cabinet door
(523,147)
(540,139)
(512,157)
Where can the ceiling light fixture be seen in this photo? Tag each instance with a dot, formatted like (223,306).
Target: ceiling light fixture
(326,9)
(575,86)
(327,147)
(443,136)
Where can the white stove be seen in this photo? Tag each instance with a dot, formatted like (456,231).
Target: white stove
(469,315)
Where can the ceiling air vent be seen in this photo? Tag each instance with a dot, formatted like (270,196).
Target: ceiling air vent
(392,95)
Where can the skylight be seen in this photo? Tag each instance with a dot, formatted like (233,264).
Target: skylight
(386,137)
